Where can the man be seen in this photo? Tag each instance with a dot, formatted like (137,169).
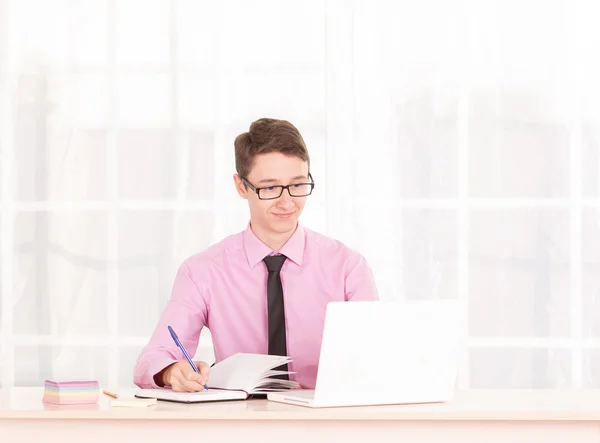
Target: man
(264,290)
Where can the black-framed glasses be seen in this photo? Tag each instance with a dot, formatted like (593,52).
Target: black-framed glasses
(275,191)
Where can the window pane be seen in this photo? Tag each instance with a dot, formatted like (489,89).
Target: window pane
(62,100)
(380,251)
(234,221)
(426,130)
(197,102)
(298,41)
(199,25)
(90,101)
(127,359)
(519,269)
(60,273)
(1,182)
(590,159)
(590,280)
(89,31)
(58,33)
(591,368)
(415,34)
(144,100)
(2,276)
(35,364)
(521,100)
(429,253)
(148,163)
(68,165)
(297,93)
(515,148)
(520,368)
(588,89)
(56,158)
(200,183)
(520,48)
(152,245)
(40,33)
(143,33)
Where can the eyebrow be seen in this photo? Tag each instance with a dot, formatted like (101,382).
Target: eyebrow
(272,180)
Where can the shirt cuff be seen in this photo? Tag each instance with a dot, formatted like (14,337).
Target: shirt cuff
(146,380)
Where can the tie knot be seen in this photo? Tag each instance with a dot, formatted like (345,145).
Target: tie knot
(274,262)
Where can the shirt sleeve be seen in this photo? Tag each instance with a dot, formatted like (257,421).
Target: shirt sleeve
(186,313)
(360,283)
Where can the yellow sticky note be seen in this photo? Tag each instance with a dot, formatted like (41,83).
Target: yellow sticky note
(133,402)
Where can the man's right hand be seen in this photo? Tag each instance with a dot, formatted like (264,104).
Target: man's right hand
(181,377)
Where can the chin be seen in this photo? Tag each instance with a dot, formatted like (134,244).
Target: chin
(284,223)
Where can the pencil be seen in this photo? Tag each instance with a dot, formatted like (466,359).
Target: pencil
(110,394)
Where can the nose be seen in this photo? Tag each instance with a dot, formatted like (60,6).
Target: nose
(286,199)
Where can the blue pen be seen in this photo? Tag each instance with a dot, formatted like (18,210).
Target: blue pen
(187,356)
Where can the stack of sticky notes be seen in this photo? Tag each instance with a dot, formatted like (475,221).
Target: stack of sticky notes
(76,392)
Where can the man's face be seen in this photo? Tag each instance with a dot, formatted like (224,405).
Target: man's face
(279,215)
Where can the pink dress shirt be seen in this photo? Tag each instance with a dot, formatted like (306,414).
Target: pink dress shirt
(225,289)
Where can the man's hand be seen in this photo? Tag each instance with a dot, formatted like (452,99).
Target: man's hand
(182,378)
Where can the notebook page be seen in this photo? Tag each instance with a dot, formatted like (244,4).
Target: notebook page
(243,371)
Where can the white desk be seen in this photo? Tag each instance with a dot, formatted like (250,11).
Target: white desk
(482,417)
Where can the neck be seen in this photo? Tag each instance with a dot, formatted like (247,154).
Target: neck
(274,240)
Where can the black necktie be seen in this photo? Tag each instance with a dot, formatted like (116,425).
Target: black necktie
(277,338)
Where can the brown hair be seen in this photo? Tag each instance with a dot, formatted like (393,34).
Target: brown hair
(268,135)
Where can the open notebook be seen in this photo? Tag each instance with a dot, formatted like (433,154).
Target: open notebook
(234,378)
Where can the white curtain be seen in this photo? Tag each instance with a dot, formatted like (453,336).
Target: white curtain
(454,143)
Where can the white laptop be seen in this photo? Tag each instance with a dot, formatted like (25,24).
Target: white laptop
(381,353)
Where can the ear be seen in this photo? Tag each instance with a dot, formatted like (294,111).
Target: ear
(240,187)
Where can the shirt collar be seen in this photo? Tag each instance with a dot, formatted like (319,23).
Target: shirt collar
(256,250)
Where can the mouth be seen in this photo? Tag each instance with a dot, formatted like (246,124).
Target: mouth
(284,215)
